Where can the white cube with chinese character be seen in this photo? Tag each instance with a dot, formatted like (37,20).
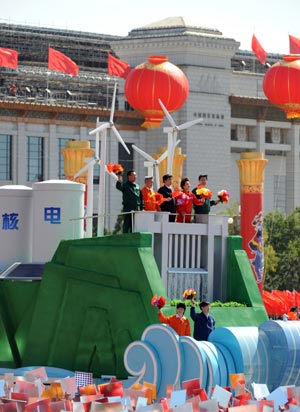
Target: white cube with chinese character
(58,212)
(16,225)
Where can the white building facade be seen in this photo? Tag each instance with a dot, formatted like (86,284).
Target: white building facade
(236,115)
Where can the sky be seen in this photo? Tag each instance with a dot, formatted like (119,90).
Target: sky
(270,20)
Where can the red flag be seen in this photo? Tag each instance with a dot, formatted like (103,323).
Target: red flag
(258,50)
(294,45)
(117,67)
(62,63)
(8,58)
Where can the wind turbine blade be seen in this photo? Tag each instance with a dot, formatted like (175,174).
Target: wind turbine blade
(100,128)
(118,136)
(189,124)
(144,154)
(168,116)
(113,103)
(162,157)
(85,168)
(177,143)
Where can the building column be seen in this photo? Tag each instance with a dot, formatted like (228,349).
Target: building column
(293,169)
(21,159)
(260,135)
(51,167)
(251,167)
(84,133)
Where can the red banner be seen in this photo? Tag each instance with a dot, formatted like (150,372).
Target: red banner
(117,67)
(294,45)
(258,50)
(62,63)
(8,58)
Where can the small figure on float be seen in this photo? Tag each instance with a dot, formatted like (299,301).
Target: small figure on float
(201,192)
(185,201)
(204,322)
(169,204)
(132,198)
(178,322)
(152,199)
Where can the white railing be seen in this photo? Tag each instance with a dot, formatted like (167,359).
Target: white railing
(197,249)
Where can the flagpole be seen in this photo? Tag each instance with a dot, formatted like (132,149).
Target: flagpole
(47,85)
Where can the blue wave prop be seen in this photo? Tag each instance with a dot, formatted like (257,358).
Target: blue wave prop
(268,354)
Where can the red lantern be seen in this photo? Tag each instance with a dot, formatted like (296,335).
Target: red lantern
(282,85)
(153,80)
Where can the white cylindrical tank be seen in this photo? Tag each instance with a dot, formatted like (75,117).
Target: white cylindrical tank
(16,225)
(55,203)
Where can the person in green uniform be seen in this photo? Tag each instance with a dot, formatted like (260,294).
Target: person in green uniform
(203,209)
(132,198)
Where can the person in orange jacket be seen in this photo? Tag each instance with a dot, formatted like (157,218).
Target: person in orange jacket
(178,322)
(294,313)
(152,199)
(150,196)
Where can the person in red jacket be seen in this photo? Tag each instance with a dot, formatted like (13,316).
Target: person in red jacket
(178,322)
(185,201)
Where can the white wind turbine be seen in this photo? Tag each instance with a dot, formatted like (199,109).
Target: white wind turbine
(152,164)
(172,133)
(91,162)
(102,129)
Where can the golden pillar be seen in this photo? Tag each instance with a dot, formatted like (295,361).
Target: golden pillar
(177,166)
(75,154)
(251,167)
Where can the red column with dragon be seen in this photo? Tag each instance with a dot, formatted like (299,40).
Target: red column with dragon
(251,168)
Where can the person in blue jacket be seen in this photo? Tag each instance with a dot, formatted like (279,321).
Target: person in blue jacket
(204,322)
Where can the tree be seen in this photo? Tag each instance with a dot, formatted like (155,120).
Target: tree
(233,212)
(282,250)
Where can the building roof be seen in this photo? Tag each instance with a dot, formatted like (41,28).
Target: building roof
(180,21)
(171,26)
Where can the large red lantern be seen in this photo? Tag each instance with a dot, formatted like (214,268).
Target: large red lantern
(153,80)
(282,85)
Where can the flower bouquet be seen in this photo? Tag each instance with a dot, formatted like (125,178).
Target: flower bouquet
(159,198)
(189,294)
(224,196)
(116,169)
(158,301)
(204,192)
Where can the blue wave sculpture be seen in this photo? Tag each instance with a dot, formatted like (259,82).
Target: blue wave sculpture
(268,354)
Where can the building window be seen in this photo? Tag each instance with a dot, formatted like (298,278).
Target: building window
(96,167)
(127,107)
(233,134)
(62,142)
(279,193)
(242,132)
(268,137)
(5,157)
(35,156)
(125,159)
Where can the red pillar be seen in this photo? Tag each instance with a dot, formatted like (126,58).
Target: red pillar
(251,167)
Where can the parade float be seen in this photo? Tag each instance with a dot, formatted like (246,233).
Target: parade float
(89,307)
